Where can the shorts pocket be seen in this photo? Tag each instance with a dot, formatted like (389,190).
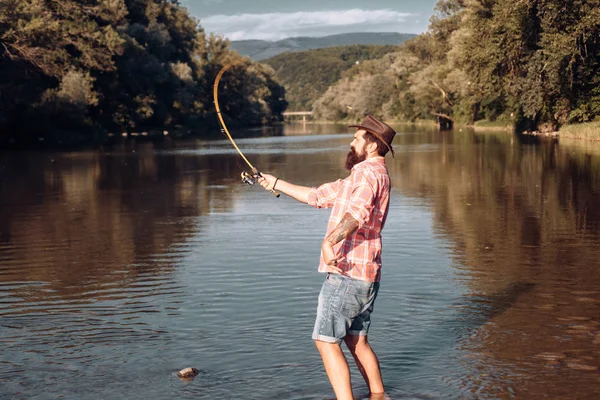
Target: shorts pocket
(333,280)
(361,288)
(356,297)
(352,305)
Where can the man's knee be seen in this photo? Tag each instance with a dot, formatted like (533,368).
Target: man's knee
(356,343)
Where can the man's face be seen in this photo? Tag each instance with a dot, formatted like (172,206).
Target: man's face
(357,150)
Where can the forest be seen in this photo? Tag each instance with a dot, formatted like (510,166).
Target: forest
(306,75)
(532,65)
(73,71)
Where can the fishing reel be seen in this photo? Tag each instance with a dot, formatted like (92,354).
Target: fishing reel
(249,179)
(252,178)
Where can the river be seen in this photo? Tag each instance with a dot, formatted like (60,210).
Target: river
(122,265)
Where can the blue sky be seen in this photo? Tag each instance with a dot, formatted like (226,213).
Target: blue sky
(278,19)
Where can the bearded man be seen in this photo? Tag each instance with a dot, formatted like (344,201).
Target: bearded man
(350,254)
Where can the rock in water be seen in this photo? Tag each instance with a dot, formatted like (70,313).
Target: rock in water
(187,373)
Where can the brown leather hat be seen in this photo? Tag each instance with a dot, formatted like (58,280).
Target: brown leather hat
(381,130)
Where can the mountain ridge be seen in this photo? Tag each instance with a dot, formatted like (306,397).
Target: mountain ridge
(262,49)
(306,75)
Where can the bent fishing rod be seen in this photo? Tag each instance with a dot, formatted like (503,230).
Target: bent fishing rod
(249,178)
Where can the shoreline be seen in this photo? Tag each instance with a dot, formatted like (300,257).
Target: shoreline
(587,131)
(591,134)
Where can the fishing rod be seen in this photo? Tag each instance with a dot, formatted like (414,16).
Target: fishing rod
(249,178)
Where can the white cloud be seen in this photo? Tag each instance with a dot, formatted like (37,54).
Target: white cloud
(275,26)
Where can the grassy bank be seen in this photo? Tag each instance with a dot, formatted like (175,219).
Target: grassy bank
(485,125)
(418,122)
(589,131)
(585,131)
(482,125)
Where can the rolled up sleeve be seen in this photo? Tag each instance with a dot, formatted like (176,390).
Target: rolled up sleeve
(362,200)
(324,195)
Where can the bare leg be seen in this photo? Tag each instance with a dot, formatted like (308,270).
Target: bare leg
(366,361)
(337,369)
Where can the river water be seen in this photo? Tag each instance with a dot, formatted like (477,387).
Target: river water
(121,266)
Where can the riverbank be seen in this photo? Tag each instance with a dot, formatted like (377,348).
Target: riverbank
(65,139)
(585,131)
(485,125)
(479,126)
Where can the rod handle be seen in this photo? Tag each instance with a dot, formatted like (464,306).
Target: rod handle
(275,193)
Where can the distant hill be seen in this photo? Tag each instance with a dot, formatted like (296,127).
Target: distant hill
(261,49)
(306,75)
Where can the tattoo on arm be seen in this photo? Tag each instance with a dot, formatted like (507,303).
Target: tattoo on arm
(346,226)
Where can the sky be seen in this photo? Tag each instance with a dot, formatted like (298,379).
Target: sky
(279,19)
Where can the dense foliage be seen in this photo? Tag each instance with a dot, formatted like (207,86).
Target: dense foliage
(306,75)
(85,67)
(533,64)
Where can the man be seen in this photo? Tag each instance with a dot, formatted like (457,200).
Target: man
(350,254)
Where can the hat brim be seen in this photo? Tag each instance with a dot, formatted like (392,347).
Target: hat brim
(377,135)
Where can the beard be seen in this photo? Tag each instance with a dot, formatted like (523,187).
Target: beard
(354,158)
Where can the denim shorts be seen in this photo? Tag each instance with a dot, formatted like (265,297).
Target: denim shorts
(345,307)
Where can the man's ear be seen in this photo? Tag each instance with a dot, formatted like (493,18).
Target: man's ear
(372,147)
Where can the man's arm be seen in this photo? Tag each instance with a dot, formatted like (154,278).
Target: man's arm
(297,192)
(343,229)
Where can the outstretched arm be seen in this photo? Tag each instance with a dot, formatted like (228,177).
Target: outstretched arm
(297,192)
(343,229)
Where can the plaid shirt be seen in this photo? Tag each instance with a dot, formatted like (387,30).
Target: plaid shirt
(365,195)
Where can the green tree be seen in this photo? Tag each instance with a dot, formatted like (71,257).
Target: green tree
(93,65)
(42,41)
(307,74)
(532,63)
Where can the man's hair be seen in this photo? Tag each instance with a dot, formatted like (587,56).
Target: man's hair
(382,149)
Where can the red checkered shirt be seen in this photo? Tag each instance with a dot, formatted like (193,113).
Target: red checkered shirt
(365,195)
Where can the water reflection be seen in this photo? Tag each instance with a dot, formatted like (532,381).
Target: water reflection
(491,288)
(524,224)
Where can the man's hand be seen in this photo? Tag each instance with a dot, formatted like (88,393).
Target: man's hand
(330,259)
(267,181)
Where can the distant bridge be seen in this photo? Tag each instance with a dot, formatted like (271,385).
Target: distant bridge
(303,114)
